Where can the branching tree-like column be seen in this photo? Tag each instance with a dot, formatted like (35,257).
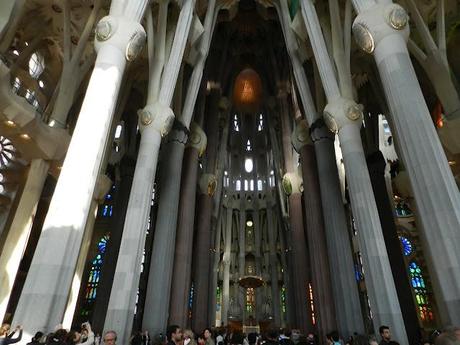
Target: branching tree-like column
(18,234)
(161,266)
(343,116)
(11,11)
(381,28)
(155,122)
(119,38)
(344,286)
(73,70)
(272,231)
(433,59)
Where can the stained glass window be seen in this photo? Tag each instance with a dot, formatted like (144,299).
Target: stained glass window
(94,276)
(250,300)
(421,295)
(406,245)
(283,299)
(190,300)
(107,208)
(312,304)
(218,295)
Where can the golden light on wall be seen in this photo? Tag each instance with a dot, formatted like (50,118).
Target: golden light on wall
(247,92)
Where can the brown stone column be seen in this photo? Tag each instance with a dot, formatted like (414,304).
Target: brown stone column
(180,289)
(292,187)
(202,254)
(314,226)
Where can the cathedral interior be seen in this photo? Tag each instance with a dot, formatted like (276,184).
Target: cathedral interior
(230,163)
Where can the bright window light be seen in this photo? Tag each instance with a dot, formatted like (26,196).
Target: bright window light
(248,165)
(118,131)
(238,185)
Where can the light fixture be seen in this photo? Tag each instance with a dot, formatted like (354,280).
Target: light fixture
(452,163)
(41,83)
(249,223)
(25,136)
(15,52)
(10,123)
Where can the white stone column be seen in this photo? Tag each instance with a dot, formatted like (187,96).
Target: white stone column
(119,37)
(344,116)
(226,261)
(161,267)
(18,234)
(102,187)
(382,29)
(156,121)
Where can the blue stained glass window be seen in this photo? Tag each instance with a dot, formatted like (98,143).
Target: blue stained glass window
(421,295)
(94,276)
(407,245)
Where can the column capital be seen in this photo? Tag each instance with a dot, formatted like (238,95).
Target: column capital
(127,35)
(207,184)
(197,138)
(320,131)
(371,26)
(292,183)
(179,133)
(341,112)
(156,116)
(301,136)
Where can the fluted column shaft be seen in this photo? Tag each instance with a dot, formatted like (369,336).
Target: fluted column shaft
(435,191)
(180,287)
(344,286)
(18,234)
(205,204)
(226,261)
(44,297)
(321,278)
(273,269)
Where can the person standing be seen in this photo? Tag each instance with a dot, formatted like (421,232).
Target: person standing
(386,336)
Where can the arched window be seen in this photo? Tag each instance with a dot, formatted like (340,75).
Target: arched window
(248,165)
(94,276)
(36,65)
(406,245)
(421,296)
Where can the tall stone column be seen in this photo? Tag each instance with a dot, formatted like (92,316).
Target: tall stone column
(214,272)
(208,185)
(344,286)
(344,116)
(18,234)
(102,187)
(156,120)
(381,29)
(376,164)
(161,267)
(180,287)
(226,261)
(119,37)
(321,277)
(273,268)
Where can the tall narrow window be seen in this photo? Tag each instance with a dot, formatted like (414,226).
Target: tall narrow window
(421,295)
(312,304)
(238,185)
(260,126)
(248,165)
(94,276)
(259,185)
(248,145)
(250,300)
(236,127)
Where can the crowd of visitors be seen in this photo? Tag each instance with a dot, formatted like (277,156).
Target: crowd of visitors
(174,335)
